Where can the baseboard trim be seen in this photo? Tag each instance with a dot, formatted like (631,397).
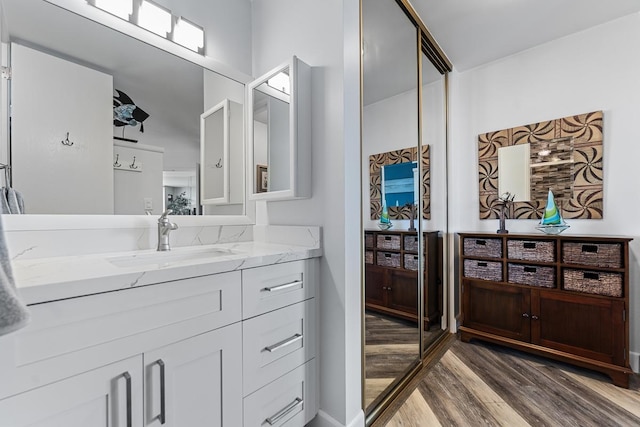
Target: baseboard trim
(634,361)
(325,420)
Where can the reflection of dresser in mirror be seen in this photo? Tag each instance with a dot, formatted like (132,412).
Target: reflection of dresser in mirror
(391,273)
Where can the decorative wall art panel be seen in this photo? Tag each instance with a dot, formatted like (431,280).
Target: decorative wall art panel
(566,156)
(405,155)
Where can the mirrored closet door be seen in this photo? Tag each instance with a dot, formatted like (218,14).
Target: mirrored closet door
(404,158)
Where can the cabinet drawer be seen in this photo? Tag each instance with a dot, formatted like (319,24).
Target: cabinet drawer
(291,400)
(595,254)
(388,259)
(411,243)
(593,282)
(410,262)
(368,240)
(276,342)
(532,250)
(486,270)
(489,248)
(388,241)
(71,336)
(368,257)
(268,288)
(533,275)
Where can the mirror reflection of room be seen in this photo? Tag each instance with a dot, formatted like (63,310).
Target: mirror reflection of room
(133,130)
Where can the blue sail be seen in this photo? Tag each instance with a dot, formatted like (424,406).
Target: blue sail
(551,213)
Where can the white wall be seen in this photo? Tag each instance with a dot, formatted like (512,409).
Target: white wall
(130,189)
(597,69)
(325,36)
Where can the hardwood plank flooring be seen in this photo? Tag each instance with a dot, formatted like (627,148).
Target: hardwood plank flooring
(481,384)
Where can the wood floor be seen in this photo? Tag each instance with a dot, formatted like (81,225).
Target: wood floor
(480,384)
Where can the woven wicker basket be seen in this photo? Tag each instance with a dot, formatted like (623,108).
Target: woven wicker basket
(368,257)
(388,259)
(595,254)
(590,282)
(388,241)
(486,270)
(532,250)
(490,248)
(542,276)
(368,240)
(410,261)
(411,243)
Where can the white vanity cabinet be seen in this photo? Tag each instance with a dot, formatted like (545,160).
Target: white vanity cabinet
(105,397)
(279,344)
(214,350)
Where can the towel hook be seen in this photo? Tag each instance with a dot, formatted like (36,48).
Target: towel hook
(219,164)
(117,164)
(66,141)
(7,174)
(133,164)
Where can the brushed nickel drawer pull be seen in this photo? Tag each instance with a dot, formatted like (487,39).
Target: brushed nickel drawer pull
(163,398)
(283,343)
(284,286)
(127,378)
(284,412)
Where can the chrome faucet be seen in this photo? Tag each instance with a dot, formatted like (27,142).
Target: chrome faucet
(164,227)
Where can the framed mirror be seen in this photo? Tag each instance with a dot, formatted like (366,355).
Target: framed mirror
(171,130)
(279,107)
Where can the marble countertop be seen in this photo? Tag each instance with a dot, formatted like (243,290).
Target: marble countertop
(48,279)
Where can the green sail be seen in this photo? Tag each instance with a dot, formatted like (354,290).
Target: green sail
(551,213)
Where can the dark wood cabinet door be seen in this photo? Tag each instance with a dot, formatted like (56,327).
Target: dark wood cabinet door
(497,309)
(402,291)
(375,287)
(587,326)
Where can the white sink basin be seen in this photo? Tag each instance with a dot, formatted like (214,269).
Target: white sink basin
(166,257)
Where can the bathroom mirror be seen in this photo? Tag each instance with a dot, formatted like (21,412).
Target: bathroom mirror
(280,132)
(148,76)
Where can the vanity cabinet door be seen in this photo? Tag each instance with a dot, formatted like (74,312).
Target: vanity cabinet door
(375,290)
(196,382)
(497,309)
(110,396)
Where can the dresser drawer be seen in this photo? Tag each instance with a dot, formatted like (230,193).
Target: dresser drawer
(593,282)
(388,259)
(481,247)
(410,262)
(368,240)
(388,241)
(532,275)
(532,250)
(288,401)
(594,254)
(411,243)
(486,270)
(277,342)
(268,288)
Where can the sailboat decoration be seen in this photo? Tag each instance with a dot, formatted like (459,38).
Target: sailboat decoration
(552,221)
(385,222)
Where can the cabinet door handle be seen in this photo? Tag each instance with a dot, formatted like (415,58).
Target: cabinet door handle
(283,412)
(283,343)
(127,378)
(283,287)
(534,317)
(525,315)
(163,410)
(389,288)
